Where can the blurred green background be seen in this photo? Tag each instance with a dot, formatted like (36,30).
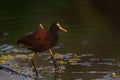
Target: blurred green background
(93,25)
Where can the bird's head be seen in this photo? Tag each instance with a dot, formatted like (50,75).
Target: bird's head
(56,27)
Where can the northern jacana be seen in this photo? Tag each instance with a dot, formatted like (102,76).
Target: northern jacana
(42,39)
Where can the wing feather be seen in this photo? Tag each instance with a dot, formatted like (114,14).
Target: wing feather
(35,39)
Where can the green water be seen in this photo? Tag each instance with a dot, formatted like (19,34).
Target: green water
(90,28)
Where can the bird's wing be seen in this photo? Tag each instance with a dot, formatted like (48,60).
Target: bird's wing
(35,39)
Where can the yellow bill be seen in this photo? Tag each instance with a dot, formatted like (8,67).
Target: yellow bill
(61,28)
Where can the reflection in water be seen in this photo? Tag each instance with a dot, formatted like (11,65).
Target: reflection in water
(93,33)
(84,64)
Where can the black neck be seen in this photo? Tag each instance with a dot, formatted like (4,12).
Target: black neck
(53,37)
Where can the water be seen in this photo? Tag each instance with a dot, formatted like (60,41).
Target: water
(82,65)
(91,33)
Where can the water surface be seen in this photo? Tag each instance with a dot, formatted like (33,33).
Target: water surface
(90,31)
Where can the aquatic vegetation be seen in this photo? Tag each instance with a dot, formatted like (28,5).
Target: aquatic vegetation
(3,57)
(74,63)
(24,57)
(75,55)
(2,61)
(71,60)
(31,55)
(61,62)
(9,57)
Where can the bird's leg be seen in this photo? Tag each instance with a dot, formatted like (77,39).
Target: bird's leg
(52,57)
(32,60)
(55,64)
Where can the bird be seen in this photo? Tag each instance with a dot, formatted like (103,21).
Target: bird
(42,40)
